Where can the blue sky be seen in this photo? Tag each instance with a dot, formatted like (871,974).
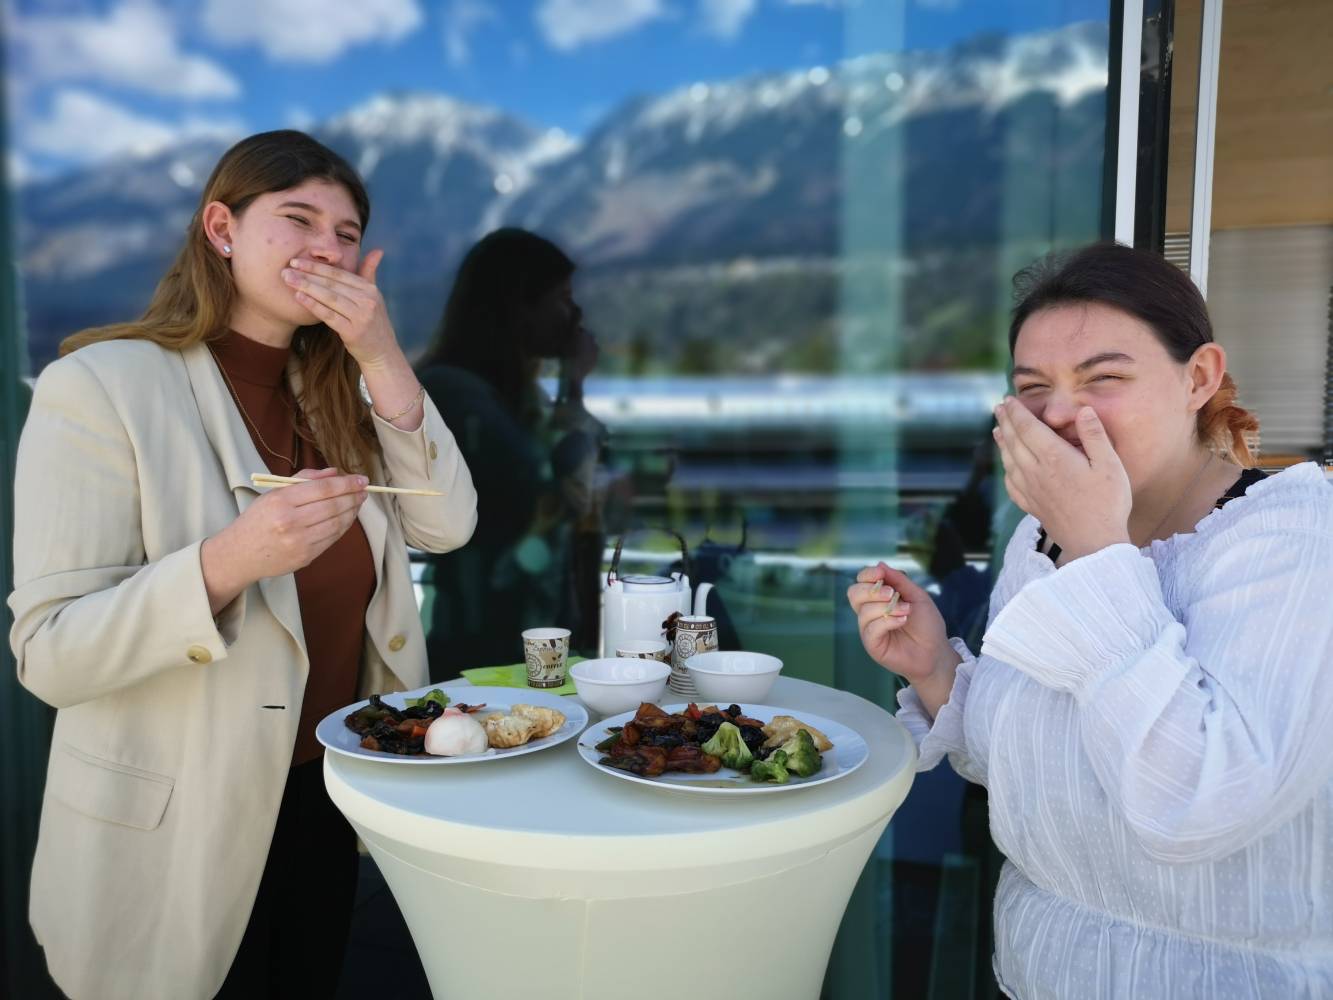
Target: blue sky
(89,79)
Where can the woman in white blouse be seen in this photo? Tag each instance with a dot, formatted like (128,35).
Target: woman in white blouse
(1152,709)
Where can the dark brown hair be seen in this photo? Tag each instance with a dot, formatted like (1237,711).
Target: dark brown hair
(486,326)
(193,301)
(1149,288)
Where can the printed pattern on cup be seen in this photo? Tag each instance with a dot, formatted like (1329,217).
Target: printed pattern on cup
(546,661)
(641,651)
(694,634)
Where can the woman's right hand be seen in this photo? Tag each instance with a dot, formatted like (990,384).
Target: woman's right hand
(910,639)
(282,531)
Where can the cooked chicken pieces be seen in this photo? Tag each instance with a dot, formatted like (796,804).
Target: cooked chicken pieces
(784,727)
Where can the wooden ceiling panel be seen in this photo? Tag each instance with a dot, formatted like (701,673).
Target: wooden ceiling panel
(1273,163)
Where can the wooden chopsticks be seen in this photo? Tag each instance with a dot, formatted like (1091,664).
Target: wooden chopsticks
(266,481)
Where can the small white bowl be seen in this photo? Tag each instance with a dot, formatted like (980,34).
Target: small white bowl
(729,676)
(612,685)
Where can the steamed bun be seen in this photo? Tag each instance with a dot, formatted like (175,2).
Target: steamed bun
(456,736)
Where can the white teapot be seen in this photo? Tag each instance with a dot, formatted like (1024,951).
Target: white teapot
(635,606)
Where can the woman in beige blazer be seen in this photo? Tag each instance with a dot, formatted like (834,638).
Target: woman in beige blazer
(169,610)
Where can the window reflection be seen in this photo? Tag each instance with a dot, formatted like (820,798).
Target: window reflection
(536,554)
(794,227)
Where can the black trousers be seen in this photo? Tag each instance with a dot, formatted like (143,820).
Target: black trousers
(297,934)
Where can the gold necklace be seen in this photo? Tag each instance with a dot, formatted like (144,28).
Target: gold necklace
(236,396)
(1186,492)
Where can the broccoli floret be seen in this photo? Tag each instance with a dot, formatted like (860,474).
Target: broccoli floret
(774,769)
(803,759)
(727,744)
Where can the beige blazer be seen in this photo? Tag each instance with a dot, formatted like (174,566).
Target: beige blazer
(167,764)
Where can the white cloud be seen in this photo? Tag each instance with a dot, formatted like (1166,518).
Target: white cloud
(461,19)
(310,31)
(18,170)
(567,24)
(726,18)
(84,127)
(134,45)
(298,116)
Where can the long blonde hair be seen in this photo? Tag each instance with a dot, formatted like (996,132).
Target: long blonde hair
(194,299)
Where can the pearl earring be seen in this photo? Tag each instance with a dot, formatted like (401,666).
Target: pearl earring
(225,248)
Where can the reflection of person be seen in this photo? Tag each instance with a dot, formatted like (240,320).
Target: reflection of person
(192,633)
(533,459)
(1151,705)
(943,543)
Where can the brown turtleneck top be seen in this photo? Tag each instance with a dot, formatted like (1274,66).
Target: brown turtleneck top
(334,591)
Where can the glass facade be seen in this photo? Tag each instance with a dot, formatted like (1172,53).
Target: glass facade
(794,227)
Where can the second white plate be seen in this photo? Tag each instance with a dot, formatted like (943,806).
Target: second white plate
(849,752)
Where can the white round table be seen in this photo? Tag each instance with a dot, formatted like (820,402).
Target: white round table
(539,876)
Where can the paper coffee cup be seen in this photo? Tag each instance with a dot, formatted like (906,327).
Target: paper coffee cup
(546,653)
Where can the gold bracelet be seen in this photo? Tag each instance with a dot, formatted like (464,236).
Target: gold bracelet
(416,400)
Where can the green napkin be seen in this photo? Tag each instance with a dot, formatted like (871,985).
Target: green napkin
(515,675)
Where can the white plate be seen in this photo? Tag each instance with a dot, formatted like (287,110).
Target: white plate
(334,734)
(849,752)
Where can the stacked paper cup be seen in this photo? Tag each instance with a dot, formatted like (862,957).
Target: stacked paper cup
(694,634)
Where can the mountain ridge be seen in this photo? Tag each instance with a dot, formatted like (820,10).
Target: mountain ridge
(922,155)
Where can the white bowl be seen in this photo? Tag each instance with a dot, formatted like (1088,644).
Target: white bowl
(729,676)
(613,684)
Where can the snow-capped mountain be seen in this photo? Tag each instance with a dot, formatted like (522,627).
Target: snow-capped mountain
(920,153)
(769,165)
(420,146)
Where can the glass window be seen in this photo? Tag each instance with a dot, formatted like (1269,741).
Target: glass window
(794,226)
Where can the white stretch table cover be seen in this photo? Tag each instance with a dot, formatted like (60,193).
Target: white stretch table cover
(540,876)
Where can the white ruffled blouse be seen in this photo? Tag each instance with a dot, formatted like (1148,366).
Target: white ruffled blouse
(1155,729)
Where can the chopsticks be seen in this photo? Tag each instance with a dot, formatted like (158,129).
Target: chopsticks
(267,481)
